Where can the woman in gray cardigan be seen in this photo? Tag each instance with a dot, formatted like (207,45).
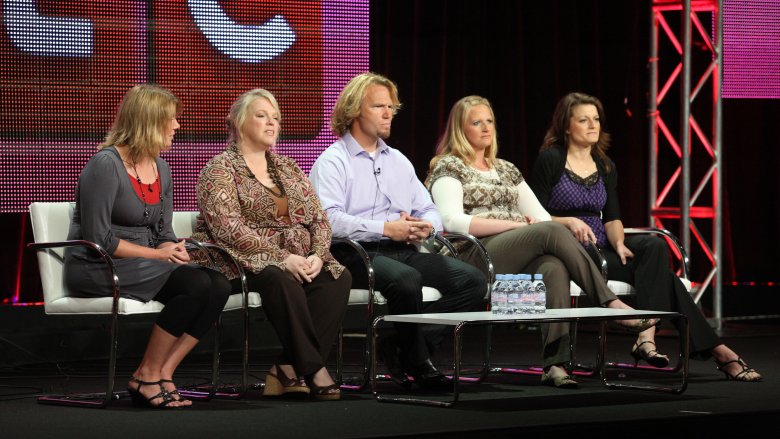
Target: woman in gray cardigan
(124,203)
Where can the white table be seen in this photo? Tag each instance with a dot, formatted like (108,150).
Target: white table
(573,315)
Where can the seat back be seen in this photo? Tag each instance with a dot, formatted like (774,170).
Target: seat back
(184,223)
(50,223)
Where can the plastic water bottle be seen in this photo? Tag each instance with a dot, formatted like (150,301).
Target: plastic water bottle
(526,302)
(539,294)
(514,290)
(498,296)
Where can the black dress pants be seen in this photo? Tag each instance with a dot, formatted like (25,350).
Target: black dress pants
(659,289)
(400,271)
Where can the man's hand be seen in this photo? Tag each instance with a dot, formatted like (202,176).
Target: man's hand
(407,228)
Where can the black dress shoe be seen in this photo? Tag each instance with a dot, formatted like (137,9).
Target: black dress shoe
(429,378)
(389,354)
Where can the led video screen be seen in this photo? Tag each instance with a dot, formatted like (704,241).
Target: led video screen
(751,49)
(65,65)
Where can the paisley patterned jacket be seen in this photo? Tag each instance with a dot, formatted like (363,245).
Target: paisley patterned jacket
(238,214)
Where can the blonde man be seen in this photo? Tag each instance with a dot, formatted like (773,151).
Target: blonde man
(372,194)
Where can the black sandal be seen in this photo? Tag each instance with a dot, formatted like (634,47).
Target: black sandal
(743,374)
(175,392)
(652,357)
(139,400)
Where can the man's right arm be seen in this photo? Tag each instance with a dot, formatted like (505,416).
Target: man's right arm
(330,180)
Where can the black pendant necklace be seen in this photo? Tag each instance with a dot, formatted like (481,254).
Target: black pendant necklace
(150,188)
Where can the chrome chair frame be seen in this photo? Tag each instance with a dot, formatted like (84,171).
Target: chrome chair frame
(374,299)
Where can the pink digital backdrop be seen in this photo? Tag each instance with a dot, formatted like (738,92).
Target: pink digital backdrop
(64,67)
(751,49)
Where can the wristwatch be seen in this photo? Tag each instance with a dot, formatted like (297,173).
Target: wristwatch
(432,234)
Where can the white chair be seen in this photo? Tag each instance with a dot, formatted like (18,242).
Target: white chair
(370,297)
(50,224)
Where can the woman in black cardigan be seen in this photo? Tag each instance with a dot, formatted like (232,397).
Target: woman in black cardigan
(577,183)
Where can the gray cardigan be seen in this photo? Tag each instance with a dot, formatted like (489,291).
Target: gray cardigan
(107,210)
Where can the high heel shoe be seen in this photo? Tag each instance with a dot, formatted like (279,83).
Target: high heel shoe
(636,326)
(280,384)
(652,357)
(175,392)
(743,375)
(139,400)
(331,392)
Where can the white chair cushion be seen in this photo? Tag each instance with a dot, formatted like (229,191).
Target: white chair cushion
(619,288)
(360,297)
(234,301)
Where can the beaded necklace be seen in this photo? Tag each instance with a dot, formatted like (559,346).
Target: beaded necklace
(161,222)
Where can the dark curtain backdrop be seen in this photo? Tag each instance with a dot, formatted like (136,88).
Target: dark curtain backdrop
(524,55)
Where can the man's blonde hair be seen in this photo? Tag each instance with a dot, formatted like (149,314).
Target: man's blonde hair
(347,107)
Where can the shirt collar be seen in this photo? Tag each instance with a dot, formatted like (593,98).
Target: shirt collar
(354,148)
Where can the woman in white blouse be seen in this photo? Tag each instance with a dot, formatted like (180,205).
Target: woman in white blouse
(484,196)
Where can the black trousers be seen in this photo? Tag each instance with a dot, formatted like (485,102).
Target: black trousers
(306,317)
(659,289)
(194,297)
(400,271)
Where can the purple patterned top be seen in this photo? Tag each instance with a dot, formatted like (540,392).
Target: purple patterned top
(573,192)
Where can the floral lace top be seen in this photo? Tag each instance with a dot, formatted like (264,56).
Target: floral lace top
(483,196)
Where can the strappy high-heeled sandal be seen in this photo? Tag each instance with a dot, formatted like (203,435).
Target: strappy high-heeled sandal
(743,375)
(635,326)
(175,392)
(139,400)
(652,357)
(279,383)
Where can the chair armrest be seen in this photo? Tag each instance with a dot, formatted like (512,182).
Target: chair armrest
(109,261)
(207,248)
(363,255)
(473,240)
(602,262)
(671,237)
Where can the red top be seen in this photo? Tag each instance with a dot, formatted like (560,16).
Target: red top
(150,193)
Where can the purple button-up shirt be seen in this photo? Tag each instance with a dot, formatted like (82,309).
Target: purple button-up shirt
(360,193)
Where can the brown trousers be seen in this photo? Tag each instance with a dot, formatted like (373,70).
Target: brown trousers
(307,317)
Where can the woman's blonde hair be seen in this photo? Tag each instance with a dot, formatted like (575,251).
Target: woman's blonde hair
(347,107)
(454,142)
(140,123)
(240,108)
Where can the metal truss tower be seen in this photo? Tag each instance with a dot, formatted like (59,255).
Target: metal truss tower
(685,167)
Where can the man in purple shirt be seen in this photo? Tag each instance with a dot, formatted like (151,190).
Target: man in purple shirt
(371,194)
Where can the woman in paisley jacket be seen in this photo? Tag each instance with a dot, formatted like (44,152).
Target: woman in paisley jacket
(487,197)
(262,209)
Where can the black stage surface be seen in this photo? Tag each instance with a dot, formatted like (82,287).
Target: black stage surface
(503,406)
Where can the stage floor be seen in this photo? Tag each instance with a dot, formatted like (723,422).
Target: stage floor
(503,406)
